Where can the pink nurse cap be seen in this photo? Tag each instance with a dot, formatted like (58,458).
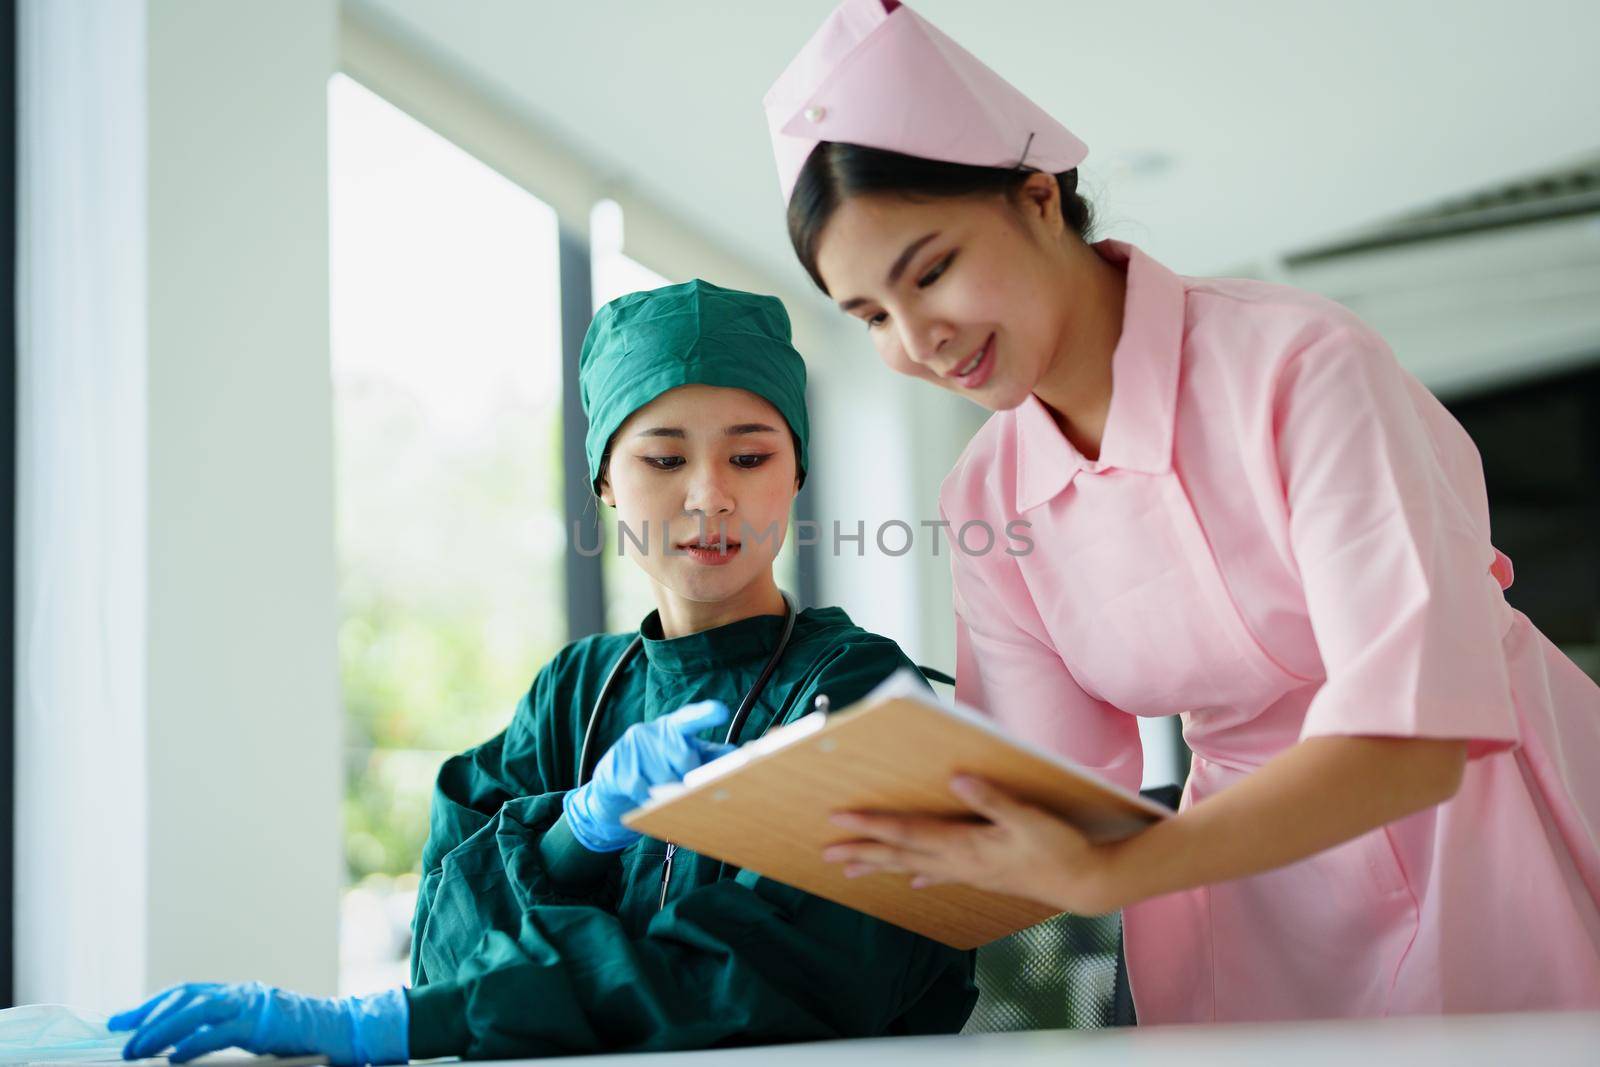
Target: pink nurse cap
(879,75)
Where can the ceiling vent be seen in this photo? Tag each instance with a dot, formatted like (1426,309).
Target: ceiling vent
(1480,290)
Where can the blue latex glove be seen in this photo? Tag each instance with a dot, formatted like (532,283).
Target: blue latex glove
(648,753)
(202,1017)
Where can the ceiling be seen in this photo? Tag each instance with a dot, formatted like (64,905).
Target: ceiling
(1220,132)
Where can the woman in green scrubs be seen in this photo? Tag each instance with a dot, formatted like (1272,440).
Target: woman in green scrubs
(543,926)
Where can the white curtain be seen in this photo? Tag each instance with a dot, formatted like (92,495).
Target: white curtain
(81,787)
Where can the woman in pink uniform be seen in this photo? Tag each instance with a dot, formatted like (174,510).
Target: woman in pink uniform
(1244,512)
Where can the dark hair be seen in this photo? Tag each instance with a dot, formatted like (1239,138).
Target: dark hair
(836,171)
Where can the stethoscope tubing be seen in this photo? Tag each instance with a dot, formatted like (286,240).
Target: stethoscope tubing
(739,716)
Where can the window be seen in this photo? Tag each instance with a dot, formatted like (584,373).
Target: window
(451,538)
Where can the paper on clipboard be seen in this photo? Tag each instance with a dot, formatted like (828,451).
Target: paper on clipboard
(765,807)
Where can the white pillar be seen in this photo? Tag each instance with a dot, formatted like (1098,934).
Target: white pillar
(180,725)
(81,337)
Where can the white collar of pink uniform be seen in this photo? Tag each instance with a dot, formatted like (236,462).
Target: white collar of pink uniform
(1144,391)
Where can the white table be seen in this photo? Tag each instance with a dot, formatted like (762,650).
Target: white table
(1532,1040)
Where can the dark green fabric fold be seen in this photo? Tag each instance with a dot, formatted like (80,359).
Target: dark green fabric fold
(525,944)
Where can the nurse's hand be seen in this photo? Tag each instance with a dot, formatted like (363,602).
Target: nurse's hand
(648,754)
(1017,849)
(201,1017)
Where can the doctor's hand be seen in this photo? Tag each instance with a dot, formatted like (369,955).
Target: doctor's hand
(202,1017)
(1016,849)
(649,753)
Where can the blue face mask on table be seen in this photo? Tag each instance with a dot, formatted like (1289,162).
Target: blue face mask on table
(55,1032)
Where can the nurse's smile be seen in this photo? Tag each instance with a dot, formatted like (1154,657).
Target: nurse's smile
(939,283)
(975,371)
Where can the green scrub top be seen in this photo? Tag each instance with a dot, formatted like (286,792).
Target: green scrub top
(526,944)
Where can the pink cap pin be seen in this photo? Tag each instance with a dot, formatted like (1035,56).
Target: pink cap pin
(879,75)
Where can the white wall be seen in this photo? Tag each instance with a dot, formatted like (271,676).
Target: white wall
(861,472)
(245,714)
(180,291)
(81,781)
(881,444)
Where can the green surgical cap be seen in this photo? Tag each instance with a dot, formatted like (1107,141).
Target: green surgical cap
(644,344)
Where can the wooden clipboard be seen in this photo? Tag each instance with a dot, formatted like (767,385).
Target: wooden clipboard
(765,807)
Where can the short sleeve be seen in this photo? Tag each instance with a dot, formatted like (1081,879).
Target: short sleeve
(1388,524)
(1008,670)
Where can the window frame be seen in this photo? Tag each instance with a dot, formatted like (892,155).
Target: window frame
(586,600)
(8,507)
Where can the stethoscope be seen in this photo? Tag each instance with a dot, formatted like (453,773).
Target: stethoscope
(739,716)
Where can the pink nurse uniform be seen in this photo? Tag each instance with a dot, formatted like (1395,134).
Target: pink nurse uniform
(1285,536)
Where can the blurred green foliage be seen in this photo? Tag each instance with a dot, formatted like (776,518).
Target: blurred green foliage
(417,689)
(451,598)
